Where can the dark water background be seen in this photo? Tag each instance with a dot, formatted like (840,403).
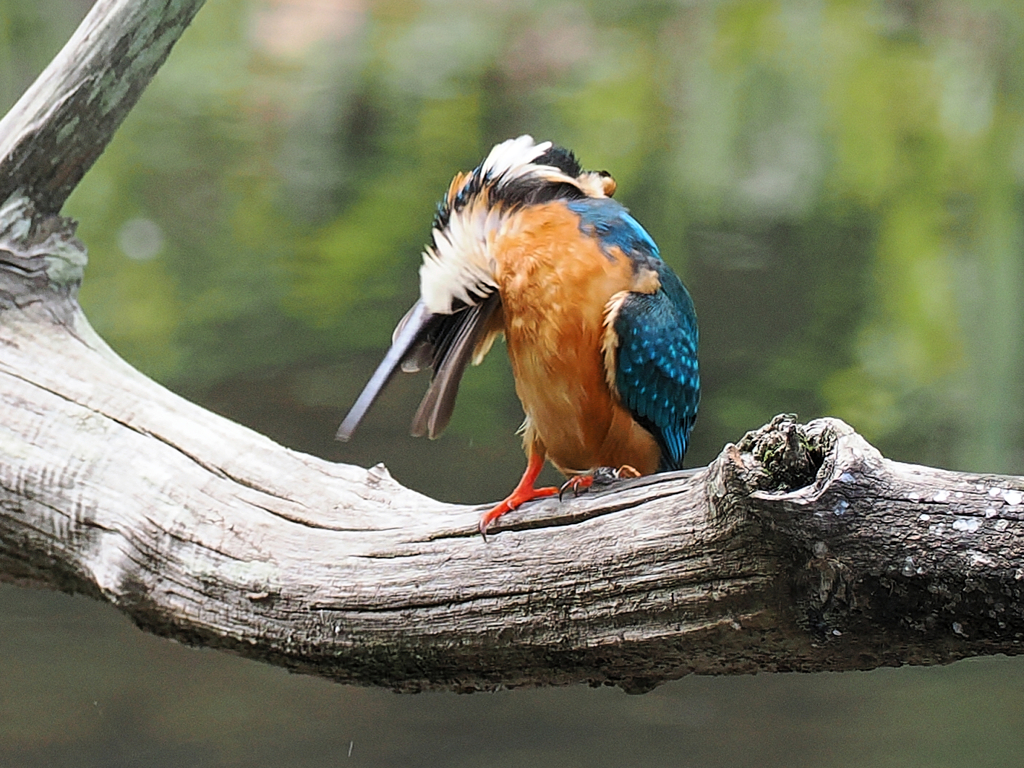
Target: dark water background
(839,184)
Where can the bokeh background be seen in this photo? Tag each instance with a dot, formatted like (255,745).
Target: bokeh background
(840,183)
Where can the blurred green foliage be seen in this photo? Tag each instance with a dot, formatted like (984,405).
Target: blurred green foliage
(838,183)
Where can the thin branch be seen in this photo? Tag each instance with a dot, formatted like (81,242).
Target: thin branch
(65,120)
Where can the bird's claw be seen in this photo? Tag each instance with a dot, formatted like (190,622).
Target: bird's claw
(523,492)
(578,484)
(602,476)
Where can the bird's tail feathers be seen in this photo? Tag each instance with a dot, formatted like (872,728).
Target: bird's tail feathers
(460,337)
(404,350)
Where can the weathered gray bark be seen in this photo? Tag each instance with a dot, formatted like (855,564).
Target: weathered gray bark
(800,548)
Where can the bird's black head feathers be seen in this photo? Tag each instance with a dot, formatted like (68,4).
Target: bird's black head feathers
(563,159)
(510,188)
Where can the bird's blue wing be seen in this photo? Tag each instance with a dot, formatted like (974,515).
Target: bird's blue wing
(656,371)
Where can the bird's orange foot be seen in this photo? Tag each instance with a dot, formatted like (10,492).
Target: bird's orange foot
(519,496)
(599,477)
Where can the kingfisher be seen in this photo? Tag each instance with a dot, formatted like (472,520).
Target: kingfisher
(601,333)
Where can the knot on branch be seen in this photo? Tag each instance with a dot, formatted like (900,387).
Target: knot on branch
(786,457)
(781,457)
(788,461)
(39,254)
(785,471)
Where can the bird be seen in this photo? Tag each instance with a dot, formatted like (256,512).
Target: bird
(601,334)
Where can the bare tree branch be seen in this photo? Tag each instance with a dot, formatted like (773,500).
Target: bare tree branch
(800,548)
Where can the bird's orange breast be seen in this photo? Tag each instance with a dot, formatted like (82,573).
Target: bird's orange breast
(555,284)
